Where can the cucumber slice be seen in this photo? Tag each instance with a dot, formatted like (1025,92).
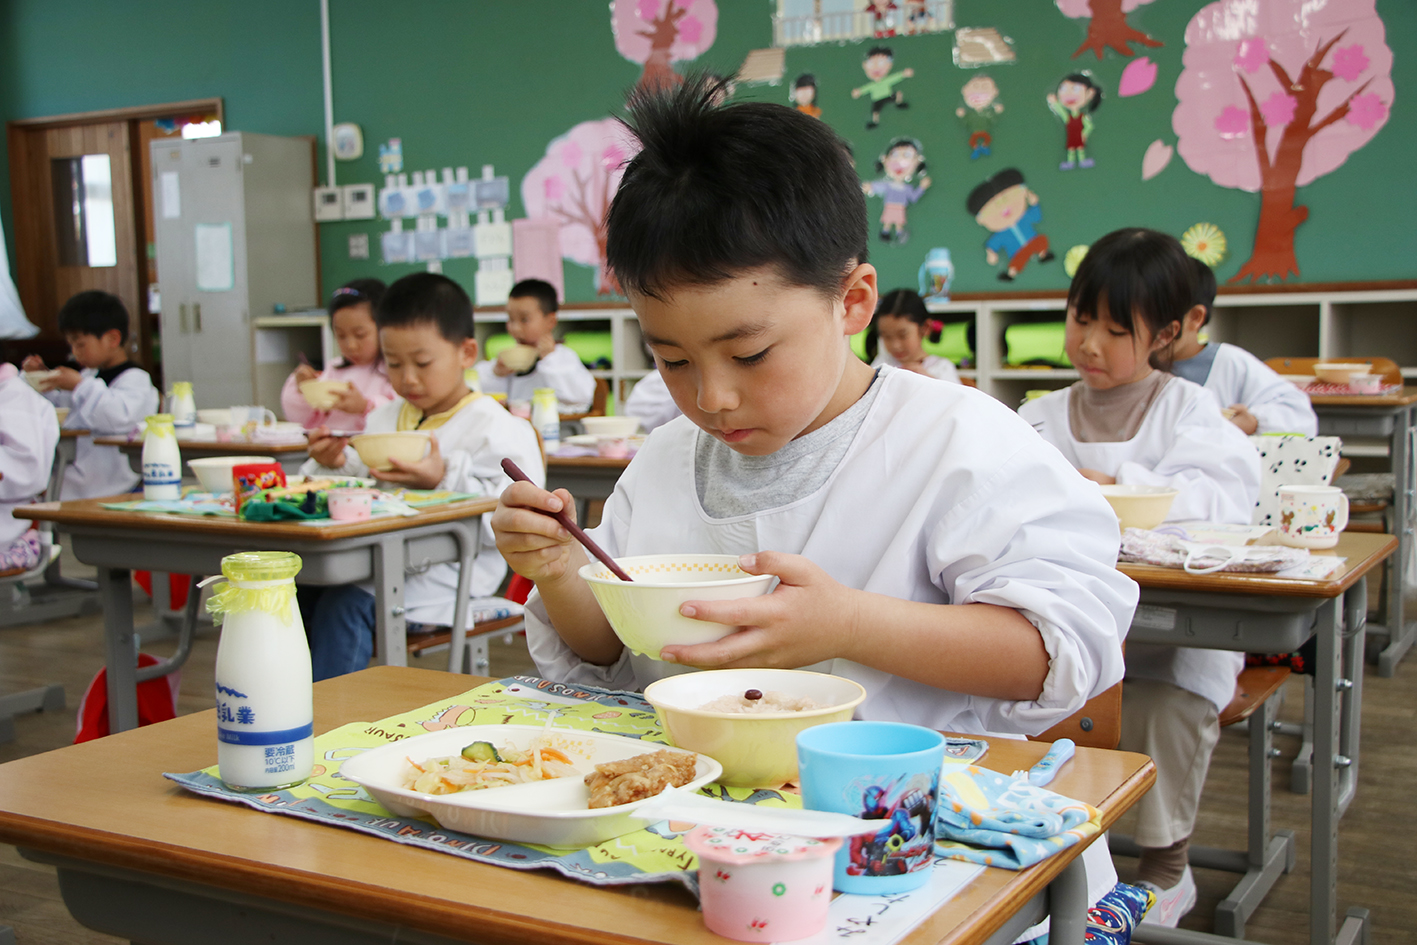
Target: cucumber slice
(481,751)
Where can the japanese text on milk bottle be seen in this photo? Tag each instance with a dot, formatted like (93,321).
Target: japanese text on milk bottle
(182,407)
(264,705)
(162,460)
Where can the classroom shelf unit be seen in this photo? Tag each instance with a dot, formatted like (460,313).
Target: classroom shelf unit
(1330,321)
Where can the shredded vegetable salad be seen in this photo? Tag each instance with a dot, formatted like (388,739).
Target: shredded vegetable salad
(482,766)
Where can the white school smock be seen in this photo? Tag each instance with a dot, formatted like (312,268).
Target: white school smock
(1184,442)
(944,496)
(1238,377)
(561,370)
(115,408)
(28,436)
(941,369)
(650,401)
(473,443)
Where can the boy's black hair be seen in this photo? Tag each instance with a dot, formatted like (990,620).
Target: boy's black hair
(539,289)
(900,303)
(991,188)
(1141,274)
(880,51)
(804,80)
(94,313)
(423,298)
(720,190)
(356,291)
(1082,78)
(902,143)
(1204,292)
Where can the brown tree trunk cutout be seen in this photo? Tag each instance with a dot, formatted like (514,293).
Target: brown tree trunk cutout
(658,73)
(591,211)
(1109,27)
(1273,252)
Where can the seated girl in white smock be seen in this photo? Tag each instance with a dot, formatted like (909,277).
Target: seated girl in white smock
(1126,422)
(901,326)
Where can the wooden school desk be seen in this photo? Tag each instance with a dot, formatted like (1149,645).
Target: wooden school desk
(1392,416)
(1259,613)
(332,553)
(290,455)
(140,858)
(588,478)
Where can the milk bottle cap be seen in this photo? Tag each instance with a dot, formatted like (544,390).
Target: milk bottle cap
(261,566)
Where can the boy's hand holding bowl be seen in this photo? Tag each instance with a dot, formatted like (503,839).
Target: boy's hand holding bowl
(425,473)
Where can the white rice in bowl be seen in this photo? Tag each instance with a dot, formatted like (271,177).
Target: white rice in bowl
(754,701)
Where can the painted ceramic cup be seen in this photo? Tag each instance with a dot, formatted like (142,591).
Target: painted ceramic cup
(1311,516)
(760,887)
(886,771)
(351,505)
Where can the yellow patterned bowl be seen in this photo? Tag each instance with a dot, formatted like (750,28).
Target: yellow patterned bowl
(645,613)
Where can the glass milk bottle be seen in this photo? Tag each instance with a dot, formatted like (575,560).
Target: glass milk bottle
(182,407)
(162,460)
(264,705)
(546,418)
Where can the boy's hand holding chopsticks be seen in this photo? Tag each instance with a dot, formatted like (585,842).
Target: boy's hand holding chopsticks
(536,545)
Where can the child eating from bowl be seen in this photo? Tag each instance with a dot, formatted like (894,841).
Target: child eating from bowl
(425,332)
(929,545)
(531,320)
(361,366)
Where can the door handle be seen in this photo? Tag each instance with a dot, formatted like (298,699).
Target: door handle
(197,316)
(182,317)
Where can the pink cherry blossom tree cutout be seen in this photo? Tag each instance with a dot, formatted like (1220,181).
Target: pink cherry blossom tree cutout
(1275,94)
(1107,25)
(659,33)
(574,184)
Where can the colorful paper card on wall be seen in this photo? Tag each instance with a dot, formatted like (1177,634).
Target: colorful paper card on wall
(1107,25)
(536,252)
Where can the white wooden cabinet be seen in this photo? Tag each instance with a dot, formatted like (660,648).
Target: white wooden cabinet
(235,238)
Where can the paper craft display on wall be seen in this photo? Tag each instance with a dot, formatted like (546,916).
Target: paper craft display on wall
(1005,207)
(1107,25)
(573,185)
(536,253)
(1138,77)
(902,159)
(977,46)
(979,113)
(808,22)
(659,33)
(804,95)
(936,274)
(1205,242)
(1158,155)
(1074,101)
(882,89)
(1073,258)
(391,156)
(1277,93)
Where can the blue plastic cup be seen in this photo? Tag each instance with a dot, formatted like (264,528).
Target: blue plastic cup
(886,771)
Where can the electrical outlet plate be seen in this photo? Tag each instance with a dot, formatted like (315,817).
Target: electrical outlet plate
(329,204)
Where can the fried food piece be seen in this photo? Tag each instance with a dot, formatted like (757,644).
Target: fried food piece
(634,779)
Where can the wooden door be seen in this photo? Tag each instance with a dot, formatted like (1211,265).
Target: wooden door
(63,218)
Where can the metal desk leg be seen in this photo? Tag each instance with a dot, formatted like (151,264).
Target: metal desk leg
(115,588)
(390,624)
(1301,775)
(1400,635)
(1067,905)
(468,548)
(1330,766)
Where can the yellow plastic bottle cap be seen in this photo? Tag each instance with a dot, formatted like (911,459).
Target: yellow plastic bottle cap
(261,566)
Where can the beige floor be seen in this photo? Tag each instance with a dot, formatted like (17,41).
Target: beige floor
(1376,838)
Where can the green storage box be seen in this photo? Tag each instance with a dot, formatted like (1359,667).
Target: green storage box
(953,343)
(1035,343)
(594,348)
(496,344)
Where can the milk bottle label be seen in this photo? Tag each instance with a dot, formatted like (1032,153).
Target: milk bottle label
(238,723)
(161,474)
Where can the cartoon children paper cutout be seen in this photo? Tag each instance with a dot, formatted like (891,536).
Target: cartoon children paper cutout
(1077,97)
(902,159)
(1005,207)
(804,95)
(935,275)
(882,87)
(883,17)
(979,112)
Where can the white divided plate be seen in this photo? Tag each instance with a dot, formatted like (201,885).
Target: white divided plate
(551,813)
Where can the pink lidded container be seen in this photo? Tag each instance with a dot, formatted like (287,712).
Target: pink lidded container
(351,505)
(763,887)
